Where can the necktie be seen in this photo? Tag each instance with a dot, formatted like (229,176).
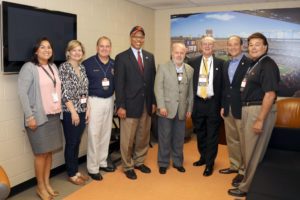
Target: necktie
(203,86)
(140,62)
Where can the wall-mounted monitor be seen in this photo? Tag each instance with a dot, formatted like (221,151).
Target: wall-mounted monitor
(22,25)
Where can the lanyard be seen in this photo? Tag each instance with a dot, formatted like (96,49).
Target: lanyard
(250,69)
(102,68)
(52,79)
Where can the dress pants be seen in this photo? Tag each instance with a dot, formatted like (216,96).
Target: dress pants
(171,134)
(72,138)
(233,135)
(206,126)
(254,145)
(135,137)
(99,132)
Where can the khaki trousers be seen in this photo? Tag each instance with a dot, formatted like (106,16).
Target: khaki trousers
(253,145)
(135,137)
(233,134)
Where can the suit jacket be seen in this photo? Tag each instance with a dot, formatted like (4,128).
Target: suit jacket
(215,101)
(174,96)
(231,96)
(134,89)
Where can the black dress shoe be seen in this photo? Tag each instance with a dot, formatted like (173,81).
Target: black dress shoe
(130,174)
(199,163)
(208,170)
(237,180)
(236,192)
(180,168)
(96,177)
(162,170)
(107,169)
(143,168)
(228,171)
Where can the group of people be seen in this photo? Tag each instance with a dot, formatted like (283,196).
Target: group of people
(242,91)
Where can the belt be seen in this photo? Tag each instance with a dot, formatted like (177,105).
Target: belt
(202,99)
(252,103)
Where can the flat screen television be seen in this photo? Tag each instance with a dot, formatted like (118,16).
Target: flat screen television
(23,25)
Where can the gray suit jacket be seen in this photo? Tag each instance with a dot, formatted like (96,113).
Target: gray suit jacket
(172,95)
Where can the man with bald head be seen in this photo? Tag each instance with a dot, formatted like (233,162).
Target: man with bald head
(173,90)
(233,74)
(207,103)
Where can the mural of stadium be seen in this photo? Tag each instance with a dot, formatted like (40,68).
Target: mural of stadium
(280,26)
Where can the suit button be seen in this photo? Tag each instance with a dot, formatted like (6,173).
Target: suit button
(230,87)
(228,96)
(143,94)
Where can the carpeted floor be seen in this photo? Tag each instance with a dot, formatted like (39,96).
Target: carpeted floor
(191,185)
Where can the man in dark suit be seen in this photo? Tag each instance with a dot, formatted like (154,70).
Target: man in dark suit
(207,103)
(135,101)
(233,74)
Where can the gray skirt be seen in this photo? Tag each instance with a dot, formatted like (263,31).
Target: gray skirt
(46,137)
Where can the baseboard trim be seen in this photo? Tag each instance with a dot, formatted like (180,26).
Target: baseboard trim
(32,182)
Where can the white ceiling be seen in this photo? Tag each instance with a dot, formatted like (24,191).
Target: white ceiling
(170,4)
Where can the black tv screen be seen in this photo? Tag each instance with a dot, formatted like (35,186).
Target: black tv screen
(24,25)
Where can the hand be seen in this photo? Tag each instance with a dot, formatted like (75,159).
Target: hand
(75,118)
(222,112)
(32,123)
(188,115)
(153,108)
(258,126)
(87,116)
(121,113)
(163,112)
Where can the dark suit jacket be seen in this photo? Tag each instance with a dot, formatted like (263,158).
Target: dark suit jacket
(215,102)
(231,96)
(134,89)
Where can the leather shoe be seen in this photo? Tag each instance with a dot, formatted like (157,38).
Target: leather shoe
(143,168)
(237,180)
(107,169)
(180,168)
(228,171)
(208,170)
(236,192)
(96,177)
(199,163)
(162,170)
(130,174)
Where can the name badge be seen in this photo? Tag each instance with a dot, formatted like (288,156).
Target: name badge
(105,83)
(243,84)
(179,76)
(203,79)
(83,101)
(55,97)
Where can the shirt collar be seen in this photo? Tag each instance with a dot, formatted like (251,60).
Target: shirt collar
(237,58)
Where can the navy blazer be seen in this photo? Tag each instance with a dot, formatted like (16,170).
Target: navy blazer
(132,87)
(231,96)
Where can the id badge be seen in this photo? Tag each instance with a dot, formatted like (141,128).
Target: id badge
(243,84)
(105,83)
(179,76)
(83,99)
(202,80)
(55,97)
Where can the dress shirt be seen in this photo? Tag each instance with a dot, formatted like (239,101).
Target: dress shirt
(234,63)
(135,52)
(210,86)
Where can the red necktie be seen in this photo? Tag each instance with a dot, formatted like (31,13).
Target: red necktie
(140,62)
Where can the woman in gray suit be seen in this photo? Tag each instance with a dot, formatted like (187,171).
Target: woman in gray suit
(39,90)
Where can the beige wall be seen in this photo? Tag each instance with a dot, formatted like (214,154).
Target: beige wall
(113,18)
(162,22)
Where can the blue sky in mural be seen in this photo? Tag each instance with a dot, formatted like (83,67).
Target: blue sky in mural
(225,24)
